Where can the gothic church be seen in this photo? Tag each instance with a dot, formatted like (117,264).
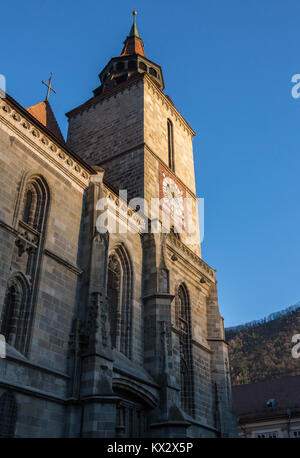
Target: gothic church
(114,334)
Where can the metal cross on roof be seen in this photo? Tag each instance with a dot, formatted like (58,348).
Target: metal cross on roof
(49,86)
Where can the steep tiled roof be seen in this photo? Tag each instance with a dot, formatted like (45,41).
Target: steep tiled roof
(133,43)
(43,113)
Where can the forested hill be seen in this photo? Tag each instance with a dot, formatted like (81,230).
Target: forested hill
(261,350)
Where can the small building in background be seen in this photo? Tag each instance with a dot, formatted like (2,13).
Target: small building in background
(268,409)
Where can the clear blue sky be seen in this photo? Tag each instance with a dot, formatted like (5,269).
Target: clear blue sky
(228,68)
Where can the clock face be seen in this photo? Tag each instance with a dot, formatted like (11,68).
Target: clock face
(174,194)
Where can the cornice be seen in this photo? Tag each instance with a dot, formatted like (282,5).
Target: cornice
(35,136)
(193,341)
(165,100)
(217,339)
(135,377)
(9,228)
(48,132)
(199,345)
(76,270)
(146,146)
(159,296)
(187,255)
(124,212)
(134,80)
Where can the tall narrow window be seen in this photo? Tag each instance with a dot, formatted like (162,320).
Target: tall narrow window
(171,146)
(119,287)
(18,310)
(29,206)
(131,419)
(8,414)
(35,202)
(186,364)
(113,294)
(14,323)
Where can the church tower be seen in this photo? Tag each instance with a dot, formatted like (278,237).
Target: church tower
(132,129)
(158,355)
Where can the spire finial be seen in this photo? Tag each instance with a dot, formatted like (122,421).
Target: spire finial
(133,43)
(134,13)
(134,31)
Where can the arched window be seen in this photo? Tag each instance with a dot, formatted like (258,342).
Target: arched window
(29,206)
(8,414)
(31,216)
(153,72)
(171,146)
(183,323)
(119,287)
(113,294)
(35,203)
(15,315)
(143,66)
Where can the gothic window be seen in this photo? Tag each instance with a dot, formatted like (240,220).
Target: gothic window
(35,203)
(184,376)
(29,206)
(8,414)
(15,319)
(113,294)
(18,307)
(182,311)
(171,146)
(119,286)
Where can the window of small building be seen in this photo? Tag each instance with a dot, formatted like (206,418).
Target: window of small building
(153,72)
(143,66)
(267,435)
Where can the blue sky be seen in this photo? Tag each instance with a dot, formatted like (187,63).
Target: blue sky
(228,68)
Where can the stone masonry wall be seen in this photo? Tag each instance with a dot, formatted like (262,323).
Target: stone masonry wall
(109,132)
(157,111)
(203,393)
(58,273)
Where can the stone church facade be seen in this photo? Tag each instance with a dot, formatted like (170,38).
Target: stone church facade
(107,334)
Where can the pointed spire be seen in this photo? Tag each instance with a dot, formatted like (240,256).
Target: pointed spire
(134,30)
(133,43)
